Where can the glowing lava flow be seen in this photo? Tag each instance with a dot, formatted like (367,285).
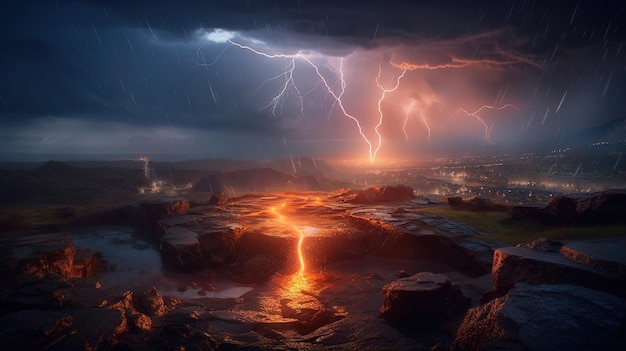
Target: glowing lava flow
(281,218)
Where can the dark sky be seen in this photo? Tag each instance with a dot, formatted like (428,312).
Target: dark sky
(262,79)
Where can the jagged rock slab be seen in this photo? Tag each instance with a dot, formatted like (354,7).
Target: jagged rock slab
(422,298)
(389,193)
(606,207)
(39,255)
(545,317)
(180,250)
(85,329)
(607,255)
(521,264)
(85,264)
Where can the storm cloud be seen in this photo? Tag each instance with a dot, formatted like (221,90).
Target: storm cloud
(189,79)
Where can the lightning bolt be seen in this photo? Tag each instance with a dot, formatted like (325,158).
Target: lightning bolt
(384,92)
(425,125)
(276,102)
(457,63)
(407,113)
(146,166)
(336,90)
(474,114)
(408,110)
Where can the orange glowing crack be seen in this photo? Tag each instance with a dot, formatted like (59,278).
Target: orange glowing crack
(300,255)
(281,218)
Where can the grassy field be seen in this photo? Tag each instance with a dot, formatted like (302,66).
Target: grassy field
(505,229)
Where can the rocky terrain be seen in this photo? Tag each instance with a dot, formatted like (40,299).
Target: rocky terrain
(344,270)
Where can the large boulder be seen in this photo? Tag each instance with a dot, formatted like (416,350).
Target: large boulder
(165,208)
(180,250)
(545,317)
(598,265)
(263,255)
(83,329)
(150,302)
(607,207)
(49,293)
(148,213)
(218,245)
(476,204)
(215,241)
(603,208)
(422,298)
(85,264)
(39,256)
(387,193)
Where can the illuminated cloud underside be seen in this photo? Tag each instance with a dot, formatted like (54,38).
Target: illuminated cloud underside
(390,94)
(266,79)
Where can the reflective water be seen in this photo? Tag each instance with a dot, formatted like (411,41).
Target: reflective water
(132,259)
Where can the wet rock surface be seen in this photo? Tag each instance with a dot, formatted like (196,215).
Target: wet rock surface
(352,255)
(476,204)
(389,193)
(545,317)
(39,256)
(595,264)
(180,249)
(424,298)
(336,309)
(254,236)
(607,207)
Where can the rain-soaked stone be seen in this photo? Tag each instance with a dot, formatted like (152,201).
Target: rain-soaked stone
(39,255)
(150,302)
(595,264)
(388,193)
(180,250)
(421,299)
(545,317)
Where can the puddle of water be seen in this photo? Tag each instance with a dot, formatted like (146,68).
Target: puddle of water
(226,291)
(132,261)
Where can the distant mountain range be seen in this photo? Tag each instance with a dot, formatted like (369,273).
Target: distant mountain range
(613,131)
(298,166)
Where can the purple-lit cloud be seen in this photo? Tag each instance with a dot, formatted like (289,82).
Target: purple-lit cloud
(514,74)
